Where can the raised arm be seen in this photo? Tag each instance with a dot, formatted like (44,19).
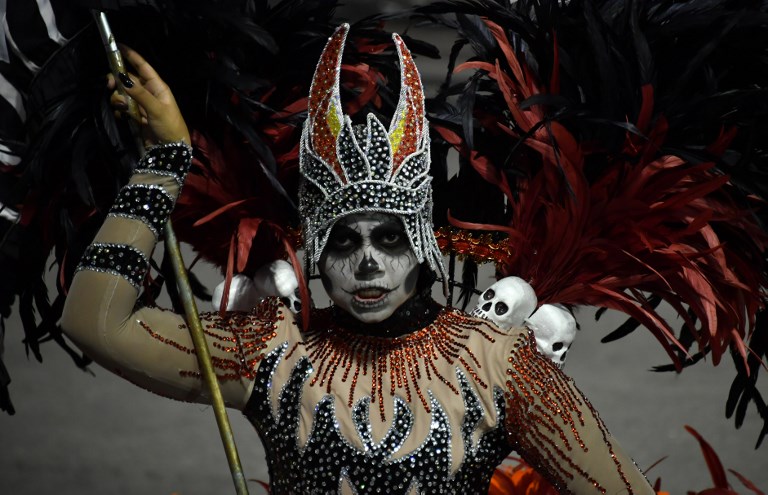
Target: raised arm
(149,346)
(557,431)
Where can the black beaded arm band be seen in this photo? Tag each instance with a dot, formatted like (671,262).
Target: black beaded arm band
(170,159)
(118,259)
(148,203)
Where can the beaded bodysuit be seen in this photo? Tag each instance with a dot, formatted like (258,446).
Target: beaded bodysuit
(430,411)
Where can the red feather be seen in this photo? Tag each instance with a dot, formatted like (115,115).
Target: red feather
(747,483)
(716,469)
(227,199)
(643,224)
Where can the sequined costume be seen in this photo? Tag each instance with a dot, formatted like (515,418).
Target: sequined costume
(431,411)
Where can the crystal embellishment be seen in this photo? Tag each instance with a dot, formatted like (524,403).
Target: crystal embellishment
(328,461)
(148,203)
(116,259)
(170,159)
(366,168)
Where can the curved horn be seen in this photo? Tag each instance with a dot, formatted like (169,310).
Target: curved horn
(325,116)
(406,132)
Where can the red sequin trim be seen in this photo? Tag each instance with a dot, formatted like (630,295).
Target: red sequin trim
(243,336)
(543,405)
(405,360)
(412,97)
(320,95)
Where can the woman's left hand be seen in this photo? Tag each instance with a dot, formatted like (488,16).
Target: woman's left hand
(159,115)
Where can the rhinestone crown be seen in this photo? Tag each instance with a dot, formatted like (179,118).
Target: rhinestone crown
(366,168)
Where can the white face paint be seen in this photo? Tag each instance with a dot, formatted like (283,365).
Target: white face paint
(368,267)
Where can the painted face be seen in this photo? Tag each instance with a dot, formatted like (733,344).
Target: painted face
(368,267)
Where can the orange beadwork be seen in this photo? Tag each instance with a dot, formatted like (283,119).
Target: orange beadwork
(321,95)
(542,401)
(404,359)
(243,335)
(480,248)
(408,122)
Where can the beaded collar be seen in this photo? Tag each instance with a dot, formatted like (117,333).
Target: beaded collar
(334,349)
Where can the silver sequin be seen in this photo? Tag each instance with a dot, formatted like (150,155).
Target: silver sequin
(116,259)
(329,461)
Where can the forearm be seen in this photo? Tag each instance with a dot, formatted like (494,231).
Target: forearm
(118,258)
(100,313)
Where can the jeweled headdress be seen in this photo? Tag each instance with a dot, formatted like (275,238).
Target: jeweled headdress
(366,168)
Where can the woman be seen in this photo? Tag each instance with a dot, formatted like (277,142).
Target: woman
(386,391)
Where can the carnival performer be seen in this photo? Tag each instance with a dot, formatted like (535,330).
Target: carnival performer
(385,391)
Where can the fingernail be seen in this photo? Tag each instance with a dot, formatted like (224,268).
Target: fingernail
(125,80)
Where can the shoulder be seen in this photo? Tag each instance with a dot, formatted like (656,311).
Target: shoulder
(482,335)
(497,349)
(268,321)
(471,325)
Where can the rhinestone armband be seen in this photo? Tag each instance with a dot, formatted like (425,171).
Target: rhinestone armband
(170,159)
(148,203)
(117,259)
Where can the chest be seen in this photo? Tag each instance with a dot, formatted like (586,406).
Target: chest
(416,417)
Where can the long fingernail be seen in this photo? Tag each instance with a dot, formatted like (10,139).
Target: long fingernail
(125,80)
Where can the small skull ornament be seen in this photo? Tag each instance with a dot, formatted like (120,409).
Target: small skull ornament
(243,296)
(554,328)
(279,279)
(275,279)
(507,303)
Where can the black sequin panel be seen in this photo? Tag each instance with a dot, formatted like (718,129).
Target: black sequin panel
(492,447)
(148,203)
(170,159)
(328,461)
(117,259)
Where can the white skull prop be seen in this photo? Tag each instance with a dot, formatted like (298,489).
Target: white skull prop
(279,279)
(242,294)
(507,303)
(554,328)
(275,279)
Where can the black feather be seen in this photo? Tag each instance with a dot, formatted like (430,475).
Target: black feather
(631,324)
(466,105)
(599,313)
(468,282)
(695,358)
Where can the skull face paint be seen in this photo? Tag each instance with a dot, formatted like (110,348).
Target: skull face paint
(368,267)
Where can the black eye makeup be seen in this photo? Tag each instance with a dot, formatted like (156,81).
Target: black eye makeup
(390,237)
(343,239)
